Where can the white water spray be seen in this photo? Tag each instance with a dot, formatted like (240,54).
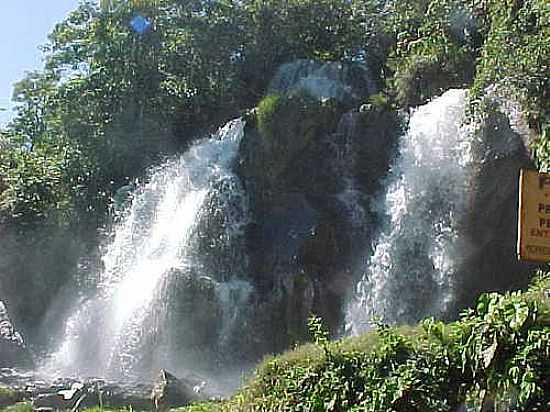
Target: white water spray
(350,196)
(152,246)
(410,274)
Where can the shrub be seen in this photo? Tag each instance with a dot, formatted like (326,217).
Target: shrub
(19,407)
(266,114)
(436,46)
(8,396)
(516,54)
(497,355)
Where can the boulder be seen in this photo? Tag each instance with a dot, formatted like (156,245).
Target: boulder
(71,398)
(490,262)
(170,392)
(9,396)
(66,394)
(311,159)
(13,351)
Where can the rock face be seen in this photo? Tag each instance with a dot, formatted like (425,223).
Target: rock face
(13,351)
(72,394)
(170,392)
(347,83)
(89,394)
(310,160)
(490,262)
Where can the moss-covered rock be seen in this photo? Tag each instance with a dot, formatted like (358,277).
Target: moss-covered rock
(287,126)
(419,78)
(298,156)
(9,397)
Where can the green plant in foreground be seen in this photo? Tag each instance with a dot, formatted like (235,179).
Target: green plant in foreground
(19,407)
(497,355)
(8,396)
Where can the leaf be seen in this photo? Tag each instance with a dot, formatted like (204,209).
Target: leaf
(489,353)
(520,316)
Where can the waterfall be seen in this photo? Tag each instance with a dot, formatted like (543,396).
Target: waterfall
(410,274)
(160,290)
(345,164)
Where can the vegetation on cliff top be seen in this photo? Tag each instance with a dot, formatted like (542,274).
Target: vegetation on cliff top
(8,396)
(110,101)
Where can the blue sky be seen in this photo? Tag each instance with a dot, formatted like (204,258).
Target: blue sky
(24,26)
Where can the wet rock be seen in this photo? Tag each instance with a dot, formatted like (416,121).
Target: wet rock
(193,313)
(114,395)
(70,394)
(123,197)
(13,351)
(219,232)
(312,157)
(66,393)
(71,398)
(346,82)
(169,391)
(490,262)
(9,396)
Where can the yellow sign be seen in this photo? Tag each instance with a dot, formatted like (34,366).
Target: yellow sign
(534,216)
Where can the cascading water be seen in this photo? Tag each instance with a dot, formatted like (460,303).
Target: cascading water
(345,164)
(157,264)
(410,274)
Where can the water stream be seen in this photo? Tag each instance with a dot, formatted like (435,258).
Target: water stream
(410,274)
(157,259)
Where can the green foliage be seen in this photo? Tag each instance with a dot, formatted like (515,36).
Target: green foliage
(379,101)
(19,407)
(118,101)
(8,396)
(122,100)
(497,355)
(439,44)
(318,331)
(212,406)
(516,53)
(266,112)
(516,58)
(44,183)
(436,44)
